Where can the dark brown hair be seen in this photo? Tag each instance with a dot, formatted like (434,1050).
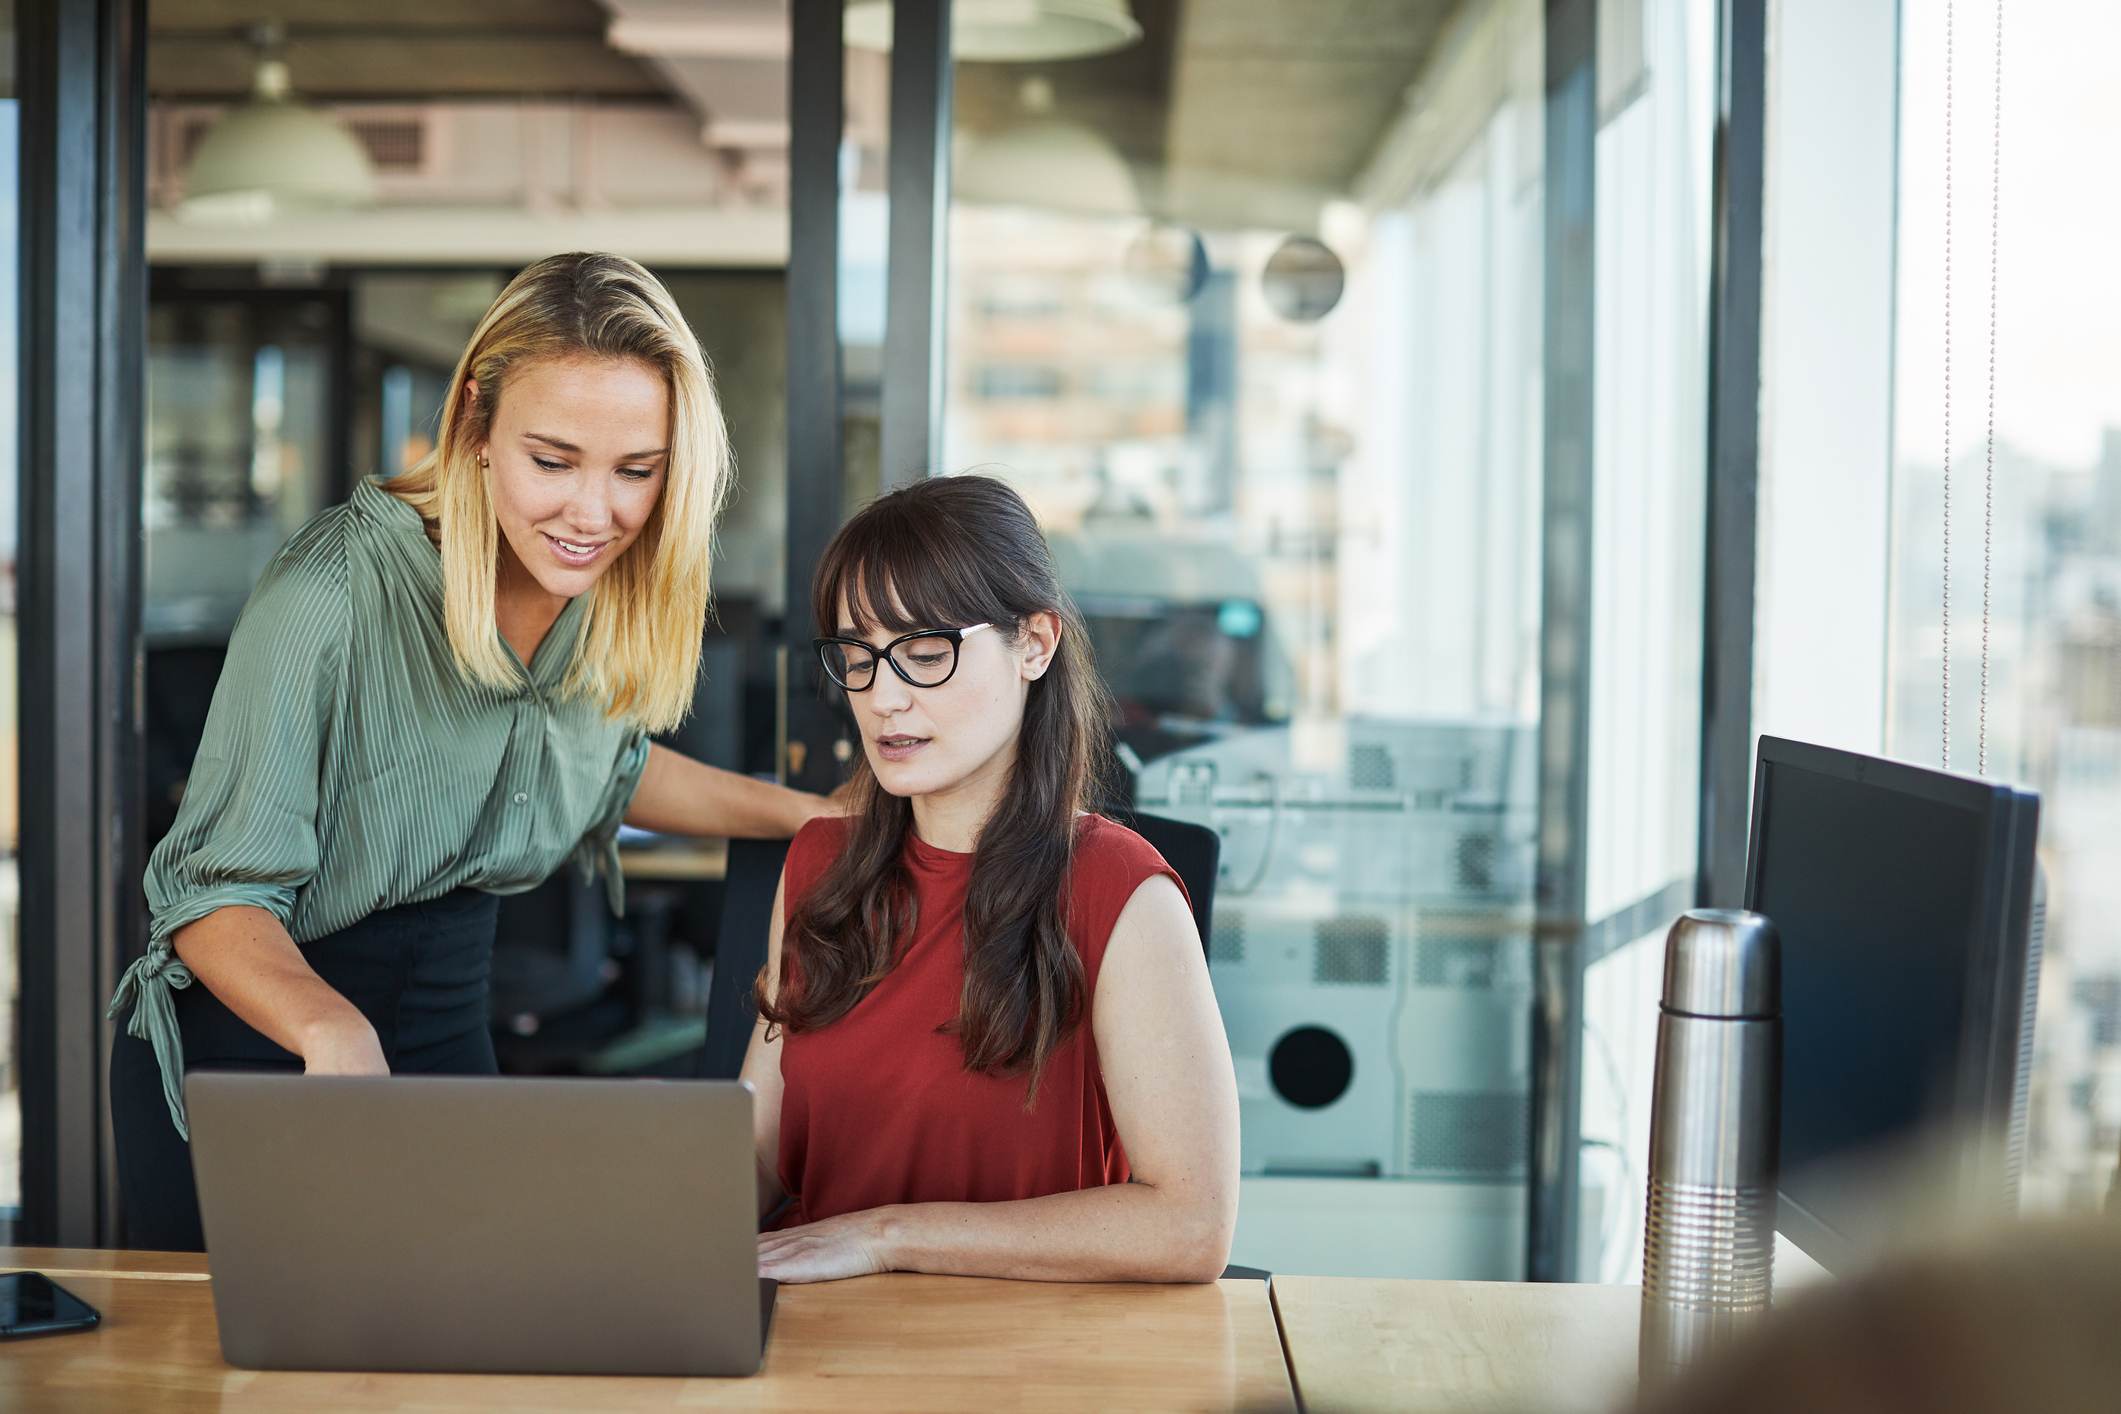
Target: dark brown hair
(946,553)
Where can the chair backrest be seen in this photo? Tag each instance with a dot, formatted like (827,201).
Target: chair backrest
(752,878)
(747,915)
(550,947)
(1193,850)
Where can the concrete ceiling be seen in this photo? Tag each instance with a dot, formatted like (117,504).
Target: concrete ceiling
(1296,94)
(1225,94)
(396,50)
(1219,94)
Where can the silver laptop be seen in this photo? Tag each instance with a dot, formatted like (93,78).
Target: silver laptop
(483,1225)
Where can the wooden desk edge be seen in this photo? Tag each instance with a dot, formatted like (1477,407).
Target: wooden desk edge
(59,1263)
(1281,1334)
(1252,1373)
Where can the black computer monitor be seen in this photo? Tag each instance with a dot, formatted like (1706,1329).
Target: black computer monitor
(1906,900)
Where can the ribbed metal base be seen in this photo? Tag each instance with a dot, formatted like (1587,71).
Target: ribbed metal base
(1708,1269)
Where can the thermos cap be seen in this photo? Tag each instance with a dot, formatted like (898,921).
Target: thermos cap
(1723,962)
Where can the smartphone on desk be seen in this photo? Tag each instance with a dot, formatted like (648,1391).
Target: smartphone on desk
(31,1303)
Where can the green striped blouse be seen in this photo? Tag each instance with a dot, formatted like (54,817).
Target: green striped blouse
(348,766)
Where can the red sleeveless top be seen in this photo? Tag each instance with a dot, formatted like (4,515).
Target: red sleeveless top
(878,1108)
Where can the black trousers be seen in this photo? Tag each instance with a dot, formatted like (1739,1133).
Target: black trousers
(418,972)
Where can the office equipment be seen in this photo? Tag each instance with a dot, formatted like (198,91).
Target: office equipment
(1708,1232)
(1907,903)
(31,1303)
(1372,946)
(477,1224)
(897,1341)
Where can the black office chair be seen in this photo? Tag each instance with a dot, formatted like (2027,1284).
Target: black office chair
(748,887)
(1194,851)
(552,964)
(181,677)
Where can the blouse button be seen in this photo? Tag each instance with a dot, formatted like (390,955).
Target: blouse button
(521,797)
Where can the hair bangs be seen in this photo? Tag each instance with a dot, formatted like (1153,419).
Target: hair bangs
(893,574)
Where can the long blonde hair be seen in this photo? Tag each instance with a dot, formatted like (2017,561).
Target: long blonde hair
(639,644)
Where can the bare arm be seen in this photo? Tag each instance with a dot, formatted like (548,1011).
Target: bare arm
(245,957)
(762,1071)
(1173,1089)
(680,796)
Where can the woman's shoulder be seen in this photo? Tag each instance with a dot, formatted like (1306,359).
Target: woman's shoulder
(821,834)
(1104,843)
(815,846)
(307,579)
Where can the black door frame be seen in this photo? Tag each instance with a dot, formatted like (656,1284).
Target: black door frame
(83,88)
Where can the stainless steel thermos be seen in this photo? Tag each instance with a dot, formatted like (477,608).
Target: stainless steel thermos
(1715,1132)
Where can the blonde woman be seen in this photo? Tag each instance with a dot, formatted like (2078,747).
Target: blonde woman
(439,692)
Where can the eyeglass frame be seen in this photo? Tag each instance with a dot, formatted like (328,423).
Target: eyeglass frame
(957,637)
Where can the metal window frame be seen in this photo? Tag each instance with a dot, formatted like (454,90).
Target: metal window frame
(917,268)
(1569,353)
(918,176)
(83,91)
(1734,451)
(816,379)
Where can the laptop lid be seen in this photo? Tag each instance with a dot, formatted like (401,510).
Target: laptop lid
(428,1223)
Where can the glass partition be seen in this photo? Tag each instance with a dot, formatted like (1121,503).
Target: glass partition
(1250,312)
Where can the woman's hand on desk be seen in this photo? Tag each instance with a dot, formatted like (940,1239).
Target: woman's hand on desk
(850,1245)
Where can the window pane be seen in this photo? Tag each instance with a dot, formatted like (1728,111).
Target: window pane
(1250,312)
(2054,697)
(1657,70)
(1253,315)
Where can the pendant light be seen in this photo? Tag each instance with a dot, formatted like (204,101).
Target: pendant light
(1045,163)
(1011,31)
(273,155)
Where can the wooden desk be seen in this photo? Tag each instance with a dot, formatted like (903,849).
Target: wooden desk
(888,1342)
(1426,1347)
(60,1263)
(690,862)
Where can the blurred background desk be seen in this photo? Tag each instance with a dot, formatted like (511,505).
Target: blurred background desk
(692,861)
(579,992)
(887,1342)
